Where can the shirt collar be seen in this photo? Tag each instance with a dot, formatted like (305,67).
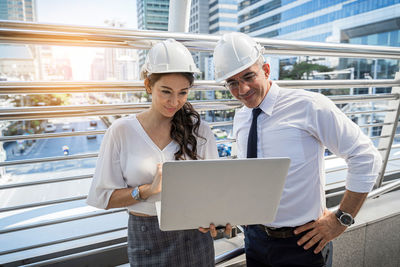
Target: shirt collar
(268,103)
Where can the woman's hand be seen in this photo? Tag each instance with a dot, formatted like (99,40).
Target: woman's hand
(213,230)
(148,190)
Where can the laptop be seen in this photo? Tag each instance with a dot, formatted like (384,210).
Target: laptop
(196,193)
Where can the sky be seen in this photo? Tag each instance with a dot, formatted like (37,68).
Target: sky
(87,12)
(84,13)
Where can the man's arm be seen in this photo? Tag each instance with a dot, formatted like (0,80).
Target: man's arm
(328,227)
(345,139)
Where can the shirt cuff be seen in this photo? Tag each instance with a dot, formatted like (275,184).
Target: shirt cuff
(360,184)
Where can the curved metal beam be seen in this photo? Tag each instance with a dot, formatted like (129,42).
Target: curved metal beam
(53,34)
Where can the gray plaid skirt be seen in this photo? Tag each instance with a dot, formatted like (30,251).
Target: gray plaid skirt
(149,246)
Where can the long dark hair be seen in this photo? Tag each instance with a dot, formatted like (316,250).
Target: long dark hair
(185,123)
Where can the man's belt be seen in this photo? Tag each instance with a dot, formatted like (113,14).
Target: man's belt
(282,232)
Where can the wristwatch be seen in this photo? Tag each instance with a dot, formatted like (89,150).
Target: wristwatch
(344,218)
(136,194)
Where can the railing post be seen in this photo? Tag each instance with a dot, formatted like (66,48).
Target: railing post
(179,15)
(386,143)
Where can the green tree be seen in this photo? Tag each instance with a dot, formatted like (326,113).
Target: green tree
(299,69)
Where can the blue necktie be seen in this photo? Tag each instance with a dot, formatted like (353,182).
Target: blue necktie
(252,141)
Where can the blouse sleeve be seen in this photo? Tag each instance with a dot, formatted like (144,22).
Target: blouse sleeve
(206,145)
(108,173)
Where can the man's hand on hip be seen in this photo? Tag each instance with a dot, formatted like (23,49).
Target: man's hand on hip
(325,229)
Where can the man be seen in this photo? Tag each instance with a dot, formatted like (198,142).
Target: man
(279,122)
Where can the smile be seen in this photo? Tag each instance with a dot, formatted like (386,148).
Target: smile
(171,109)
(248,95)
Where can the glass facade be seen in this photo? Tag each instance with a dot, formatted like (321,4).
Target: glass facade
(372,68)
(391,38)
(346,10)
(153,15)
(315,20)
(222,16)
(23,10)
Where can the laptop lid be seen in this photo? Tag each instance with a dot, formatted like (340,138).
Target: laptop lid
(237,191)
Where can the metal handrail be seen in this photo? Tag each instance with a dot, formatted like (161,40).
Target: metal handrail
(28,113)
(378,192)
(77,255)
(361,98)
(220,123)
(58,201)
(93,155)
(4,252)
(375,124)
(53,34)
(43,203)
(58,221)
(41,160)
(49,135)
(369,111)
(89,176)
(211,124)
(47,181)
(35,87)
(229,255)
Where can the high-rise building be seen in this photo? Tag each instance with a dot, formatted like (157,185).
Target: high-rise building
(367,22)
(206,16)
(198,23)
(23,61)
(223,16)
(152,15)
(23,10)
(16,61)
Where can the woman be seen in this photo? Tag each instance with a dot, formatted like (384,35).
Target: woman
(128,171)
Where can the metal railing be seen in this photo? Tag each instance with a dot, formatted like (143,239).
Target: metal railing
(34,33)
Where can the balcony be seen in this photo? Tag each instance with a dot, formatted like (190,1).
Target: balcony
(44,219)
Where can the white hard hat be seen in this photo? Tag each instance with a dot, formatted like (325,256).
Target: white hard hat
(234,53)
(168,56)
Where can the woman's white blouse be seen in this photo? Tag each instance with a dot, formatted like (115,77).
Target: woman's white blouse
(128,158)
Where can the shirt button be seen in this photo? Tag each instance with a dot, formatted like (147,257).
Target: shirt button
(147,251)
(143,228)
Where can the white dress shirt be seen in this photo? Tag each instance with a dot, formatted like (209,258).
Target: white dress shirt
(128,158)
(298,124)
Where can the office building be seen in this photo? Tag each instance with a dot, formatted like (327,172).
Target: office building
(367,22)
(198,23)
(223,16)
(152,15)
(23,10)
(222,19)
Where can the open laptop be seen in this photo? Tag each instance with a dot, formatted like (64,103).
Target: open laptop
(196,193)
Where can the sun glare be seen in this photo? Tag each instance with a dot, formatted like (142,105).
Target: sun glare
(81,59)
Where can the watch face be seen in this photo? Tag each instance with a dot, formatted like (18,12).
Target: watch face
(135,194)
(346,219)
